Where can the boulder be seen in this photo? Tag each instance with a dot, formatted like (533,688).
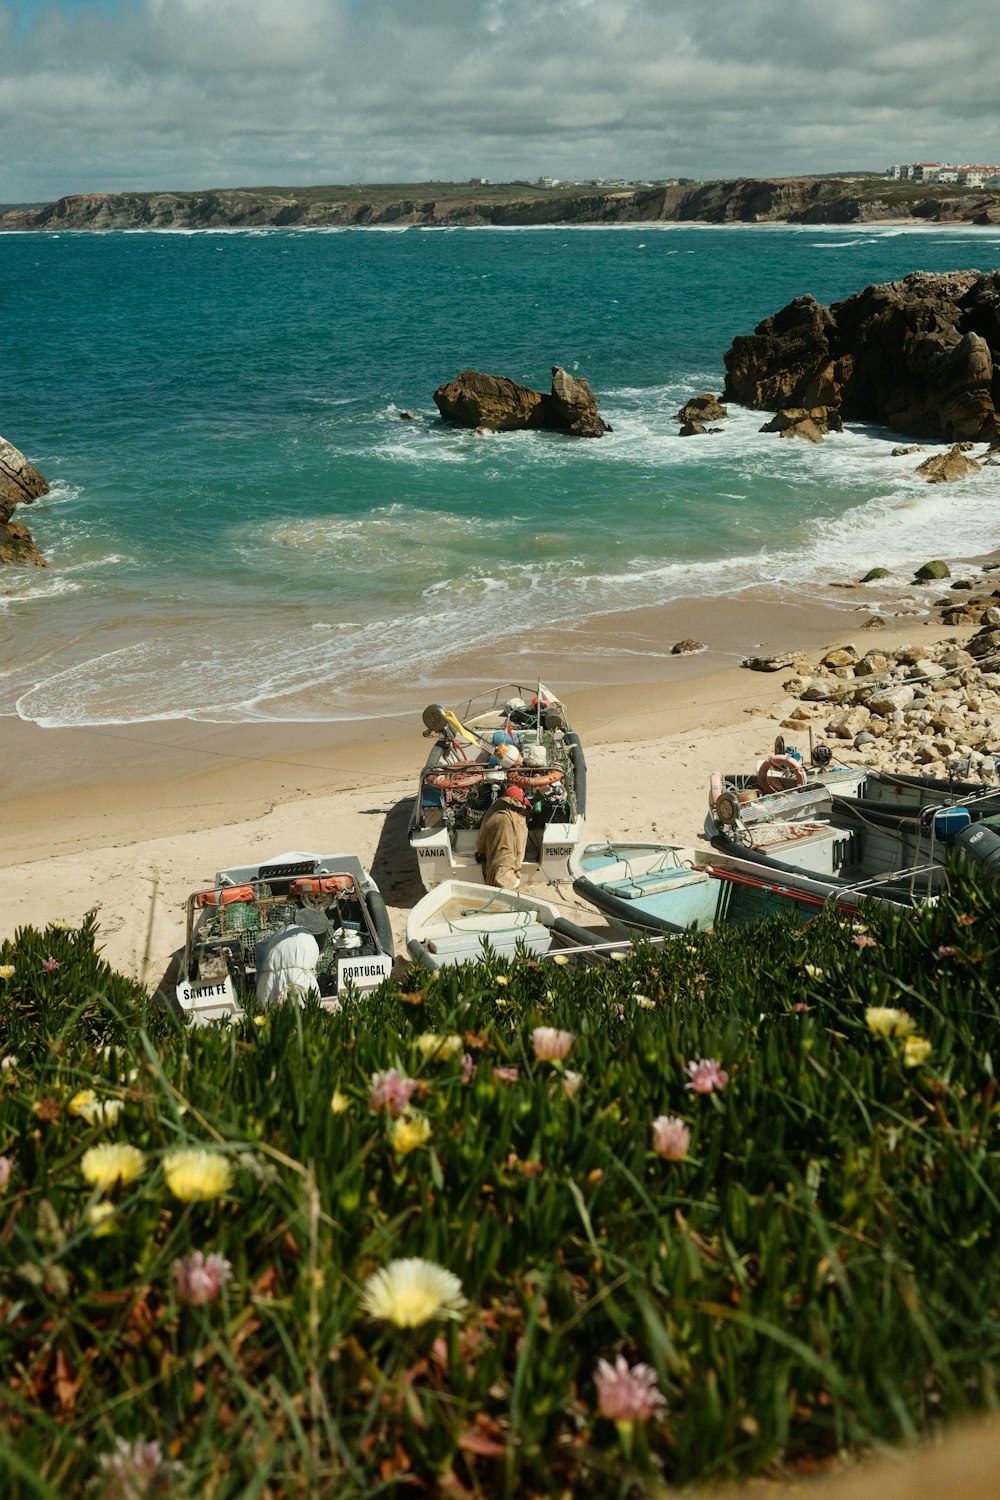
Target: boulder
(497,404)
(943,468)
(811,423)
(916,355)
(874,574)
(928,571)
(680,648)
(701,409)
(20,484)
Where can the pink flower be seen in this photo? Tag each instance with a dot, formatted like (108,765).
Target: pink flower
(468,1066)
(51,964)
(671,1137)
(135,1471)
(800,1005)
(550,1044)
(627,1395)
(946,951)
(506,1075)
(705,1075)
(201,1278)
(391,1091)
(862,940)
(6,1169)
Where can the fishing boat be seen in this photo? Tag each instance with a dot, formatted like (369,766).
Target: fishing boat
(509,736)
(784,784)
(651,888)
(462,921)
(853,847)
(228,922)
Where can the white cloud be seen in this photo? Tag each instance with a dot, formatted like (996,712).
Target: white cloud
(198,93)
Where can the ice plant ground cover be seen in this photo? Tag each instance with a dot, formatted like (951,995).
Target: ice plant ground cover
(543,1293)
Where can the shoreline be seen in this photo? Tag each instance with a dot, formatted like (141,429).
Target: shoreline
(127,820)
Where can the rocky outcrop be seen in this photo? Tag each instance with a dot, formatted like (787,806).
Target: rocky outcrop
(918,355)
(20,483)
(497,404)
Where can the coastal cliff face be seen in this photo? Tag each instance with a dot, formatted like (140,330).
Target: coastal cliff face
(793,200)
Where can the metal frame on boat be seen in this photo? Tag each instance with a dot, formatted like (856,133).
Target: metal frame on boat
(508,735)
(217,969)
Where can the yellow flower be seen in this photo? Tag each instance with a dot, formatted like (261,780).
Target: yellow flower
(95,1111)
(408,1133)
(196,1175)
(6,971)
(104,1166)
(101,1218)
(916,1049)
(886,1020)
(501,979)
(339,1103)
(411,1292)
(260,1020)
(434,1044)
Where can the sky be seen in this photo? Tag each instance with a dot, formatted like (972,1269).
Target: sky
(118,95)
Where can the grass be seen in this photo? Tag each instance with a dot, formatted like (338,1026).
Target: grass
(815,1277)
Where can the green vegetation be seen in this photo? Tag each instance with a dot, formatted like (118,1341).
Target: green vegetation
(801,1252)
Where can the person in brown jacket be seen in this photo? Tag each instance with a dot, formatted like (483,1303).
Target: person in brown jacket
(503,838)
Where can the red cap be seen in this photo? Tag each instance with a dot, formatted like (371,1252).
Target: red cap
(516,794)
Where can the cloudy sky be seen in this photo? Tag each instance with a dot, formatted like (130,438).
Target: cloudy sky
(106,95)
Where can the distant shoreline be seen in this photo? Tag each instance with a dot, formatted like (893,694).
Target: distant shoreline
(809,202)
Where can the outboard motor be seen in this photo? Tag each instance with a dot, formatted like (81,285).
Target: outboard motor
(980,845)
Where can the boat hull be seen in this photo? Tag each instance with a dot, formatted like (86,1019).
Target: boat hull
(461,921)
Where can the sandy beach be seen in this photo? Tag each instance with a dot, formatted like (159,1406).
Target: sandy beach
(127,820)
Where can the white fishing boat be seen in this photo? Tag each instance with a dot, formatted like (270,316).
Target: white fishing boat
(248,904)
(461,921)
(506,737)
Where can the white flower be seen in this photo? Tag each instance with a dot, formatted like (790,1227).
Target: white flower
(412,1292)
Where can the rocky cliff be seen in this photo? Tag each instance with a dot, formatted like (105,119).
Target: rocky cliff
(920,356)
(794,200)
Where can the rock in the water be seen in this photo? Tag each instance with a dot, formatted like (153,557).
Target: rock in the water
(931,570)
(915,355)
(680,647)
(20,483)
(701,409)
(811,423)
(942,468)
(494,403)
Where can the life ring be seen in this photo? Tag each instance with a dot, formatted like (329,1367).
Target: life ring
(453,779)
(224,895)
(773,774)
(535,781)
(320,885)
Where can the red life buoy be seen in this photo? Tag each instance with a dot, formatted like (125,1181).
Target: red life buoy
(535,781)
(224,896)
(453,779)
(780,772)
(320,885)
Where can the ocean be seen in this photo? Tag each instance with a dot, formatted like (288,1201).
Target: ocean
(242,527)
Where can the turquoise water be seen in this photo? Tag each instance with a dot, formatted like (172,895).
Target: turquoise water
(241,526)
